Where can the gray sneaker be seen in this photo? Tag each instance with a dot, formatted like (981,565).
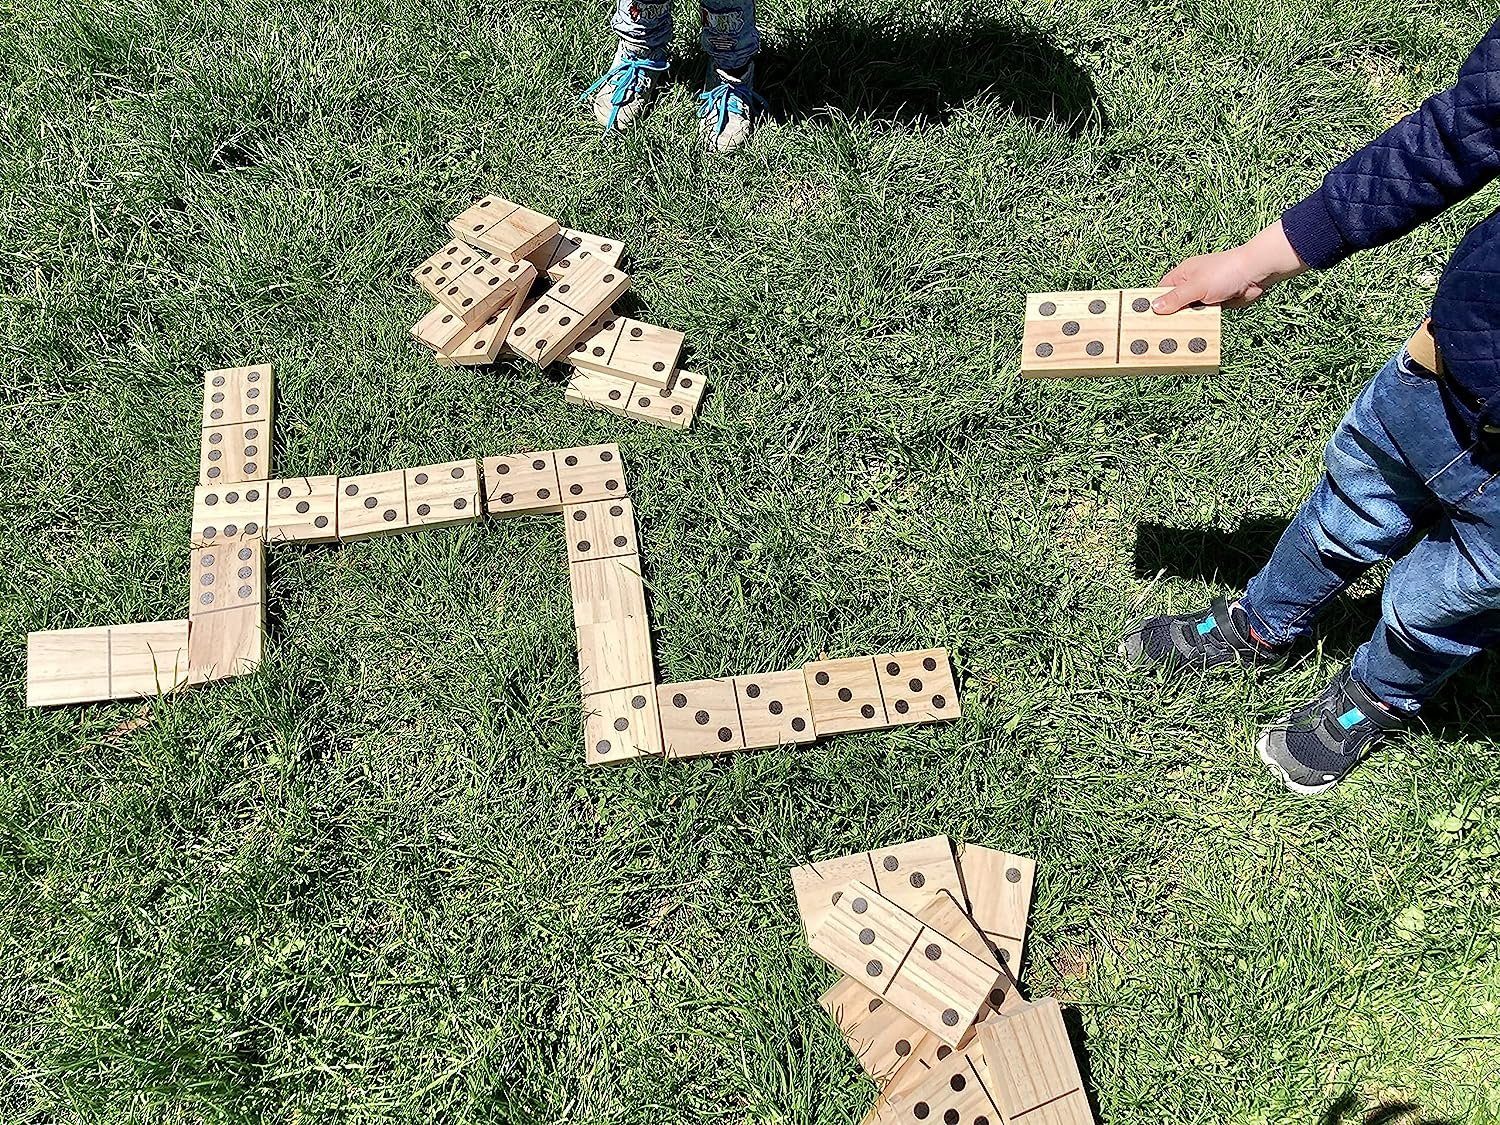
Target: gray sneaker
(1317,746)
(727,108)
(628,88)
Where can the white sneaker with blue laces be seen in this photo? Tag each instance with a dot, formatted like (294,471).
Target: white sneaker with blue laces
(626,91)
(727,108)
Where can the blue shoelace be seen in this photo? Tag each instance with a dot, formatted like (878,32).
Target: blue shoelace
(728,97)
(628,75)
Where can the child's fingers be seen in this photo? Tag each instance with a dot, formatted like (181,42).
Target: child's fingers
(1179,298)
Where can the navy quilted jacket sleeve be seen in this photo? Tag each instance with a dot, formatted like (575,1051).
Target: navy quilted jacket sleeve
(1429,160)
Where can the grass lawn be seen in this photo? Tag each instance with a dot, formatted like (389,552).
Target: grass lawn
(375,882)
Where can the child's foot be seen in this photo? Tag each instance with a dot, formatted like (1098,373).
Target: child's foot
(627,89)
(1316,746)
(727,108)
(1220,634)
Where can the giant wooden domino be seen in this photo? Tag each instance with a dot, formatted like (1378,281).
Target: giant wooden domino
(1114,332)
(928,944)
(512,279)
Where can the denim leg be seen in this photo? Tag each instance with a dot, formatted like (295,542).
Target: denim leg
(646,28)
(1440,608)
(1366,507)
(729,38)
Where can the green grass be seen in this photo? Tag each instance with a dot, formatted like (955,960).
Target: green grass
(375,881)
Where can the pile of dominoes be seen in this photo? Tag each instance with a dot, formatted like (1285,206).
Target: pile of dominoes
(929,944)
(512,279)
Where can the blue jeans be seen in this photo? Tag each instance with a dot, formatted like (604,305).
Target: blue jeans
(1400,481)
(729,36)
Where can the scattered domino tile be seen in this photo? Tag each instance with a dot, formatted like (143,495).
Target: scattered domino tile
(1034,1072)
(302,510)
(628,349)
(548,329)
(908,874)
(928,976)
(1000,886)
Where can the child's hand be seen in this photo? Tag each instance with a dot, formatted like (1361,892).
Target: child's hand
(1233,278)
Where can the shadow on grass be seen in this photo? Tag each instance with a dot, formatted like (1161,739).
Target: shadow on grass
(1351,1109)
(1211,554)
(905,74)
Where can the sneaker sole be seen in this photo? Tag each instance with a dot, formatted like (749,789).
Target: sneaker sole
(1262,746)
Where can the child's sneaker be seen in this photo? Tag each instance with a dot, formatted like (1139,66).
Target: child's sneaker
(727,107)
(627,89)
(1316,746)
(1218,635)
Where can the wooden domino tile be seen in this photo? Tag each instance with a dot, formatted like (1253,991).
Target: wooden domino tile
(591,351)
(699,717)
(229,512)
(1034,1073)
(928,976)
(603,392)
(1182,342)
(879,1034)
(105,662)
(628,349)
(67,666)
(374,504)
(600,530)
(590,472)
(673,406)
(227,643)
(819,885)
(568,247)
(503,228)
(440,275)
(845,695)
(773,709)
(302,510)
(944,1084)
(238,394)
(482,289)
(443,494)
(521,484)
(441,329)
(483,344)
(999,886)
(227,576)
(1071,334)
(911,874)
(548,329)
(918,687)
(234,454)
(620,725)
(609,615)
(148,658)
(647,353)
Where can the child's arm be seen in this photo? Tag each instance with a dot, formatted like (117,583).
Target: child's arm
(1428,161)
